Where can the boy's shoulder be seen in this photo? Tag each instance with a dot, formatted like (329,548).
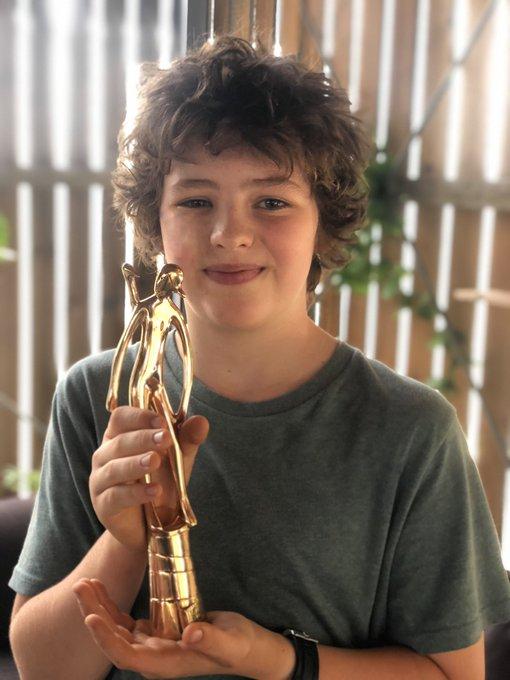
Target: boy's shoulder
(398,398)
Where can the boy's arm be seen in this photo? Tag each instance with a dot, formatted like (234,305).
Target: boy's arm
(272,657)
(391,663)
(48,636)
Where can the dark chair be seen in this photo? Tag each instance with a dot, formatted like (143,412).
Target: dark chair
(14,518)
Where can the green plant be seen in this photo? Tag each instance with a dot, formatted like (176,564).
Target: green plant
(11,476)
(385,208)
(4,234)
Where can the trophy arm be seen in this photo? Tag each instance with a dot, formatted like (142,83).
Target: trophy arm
(161,404)
(120,352)
(187,367)
(130,277)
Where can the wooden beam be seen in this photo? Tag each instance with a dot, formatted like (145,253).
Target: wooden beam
(464,194)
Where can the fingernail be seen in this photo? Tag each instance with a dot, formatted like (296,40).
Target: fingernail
(158,437)
(157,422)
(196,635)
(151,490)
(146,460)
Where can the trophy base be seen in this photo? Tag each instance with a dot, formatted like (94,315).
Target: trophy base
(169,619)
(175,601)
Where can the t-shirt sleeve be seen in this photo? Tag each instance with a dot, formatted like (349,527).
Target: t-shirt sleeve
(447,582)
(63,525)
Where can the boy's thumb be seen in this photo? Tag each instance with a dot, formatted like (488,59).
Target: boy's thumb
(193,431)
(210,640)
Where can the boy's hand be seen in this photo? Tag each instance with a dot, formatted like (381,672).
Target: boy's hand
(117,485)
(230,643)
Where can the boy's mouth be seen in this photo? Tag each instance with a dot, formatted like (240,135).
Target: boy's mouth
(232,268)
(233,277)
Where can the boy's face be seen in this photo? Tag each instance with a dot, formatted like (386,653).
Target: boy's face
(234,220)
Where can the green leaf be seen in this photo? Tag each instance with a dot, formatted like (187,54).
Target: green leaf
(425,311)
(11,476)
(459,360)
(390,288)
(4,231)
(445,384)
(406,299)
(359,287)
(439,338)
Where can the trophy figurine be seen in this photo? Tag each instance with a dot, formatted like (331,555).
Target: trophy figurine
(174,597)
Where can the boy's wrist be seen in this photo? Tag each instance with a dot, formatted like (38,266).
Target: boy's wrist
(287,659)
(273,657)
(140,553)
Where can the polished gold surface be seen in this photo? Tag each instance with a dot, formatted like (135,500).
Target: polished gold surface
(174,598)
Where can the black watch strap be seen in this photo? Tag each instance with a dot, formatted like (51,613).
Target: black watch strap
(307,655)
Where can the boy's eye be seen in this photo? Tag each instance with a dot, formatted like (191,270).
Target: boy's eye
(192,203)
(276,200)
(193,200)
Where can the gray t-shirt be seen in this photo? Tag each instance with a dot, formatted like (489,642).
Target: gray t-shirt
(349,507)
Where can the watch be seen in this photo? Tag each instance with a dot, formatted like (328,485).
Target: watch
(307,655)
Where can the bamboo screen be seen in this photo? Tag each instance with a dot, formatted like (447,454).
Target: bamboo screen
(428,77)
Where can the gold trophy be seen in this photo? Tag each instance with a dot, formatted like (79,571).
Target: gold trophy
(174,597)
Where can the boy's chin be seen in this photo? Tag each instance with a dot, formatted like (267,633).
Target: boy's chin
(242,318)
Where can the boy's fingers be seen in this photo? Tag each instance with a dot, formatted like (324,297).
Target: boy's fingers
(87,598)
(129,419)
(119,617)
(192,431)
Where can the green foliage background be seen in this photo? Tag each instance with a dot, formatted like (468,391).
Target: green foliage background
(385,208)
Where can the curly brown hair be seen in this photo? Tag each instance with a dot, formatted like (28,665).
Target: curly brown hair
(227,93)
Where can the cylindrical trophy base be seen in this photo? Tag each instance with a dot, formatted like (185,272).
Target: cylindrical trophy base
(175,600)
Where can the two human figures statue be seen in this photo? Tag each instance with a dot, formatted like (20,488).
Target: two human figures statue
(156,315)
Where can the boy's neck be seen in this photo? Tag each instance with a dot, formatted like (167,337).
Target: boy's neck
(259,367)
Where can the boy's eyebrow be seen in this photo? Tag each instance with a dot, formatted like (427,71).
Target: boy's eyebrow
(273,180)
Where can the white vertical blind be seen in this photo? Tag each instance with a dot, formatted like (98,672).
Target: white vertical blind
(356,53)
(451,163)
(372,308)
(165,32)
(61,21)
(96,159)
(381,139)
(24,158)
(385,72)
(95,266)
(353,88)
(277,46)
(413,171)
(61,253)
(131,56)
(443,285)
(496,81)
(25,388)
(23,84)
(407,260)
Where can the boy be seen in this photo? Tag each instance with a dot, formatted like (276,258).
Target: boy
(333,496)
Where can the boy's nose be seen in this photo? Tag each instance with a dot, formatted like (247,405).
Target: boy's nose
(232,231)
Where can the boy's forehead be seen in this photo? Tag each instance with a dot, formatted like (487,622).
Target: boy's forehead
(197,158)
